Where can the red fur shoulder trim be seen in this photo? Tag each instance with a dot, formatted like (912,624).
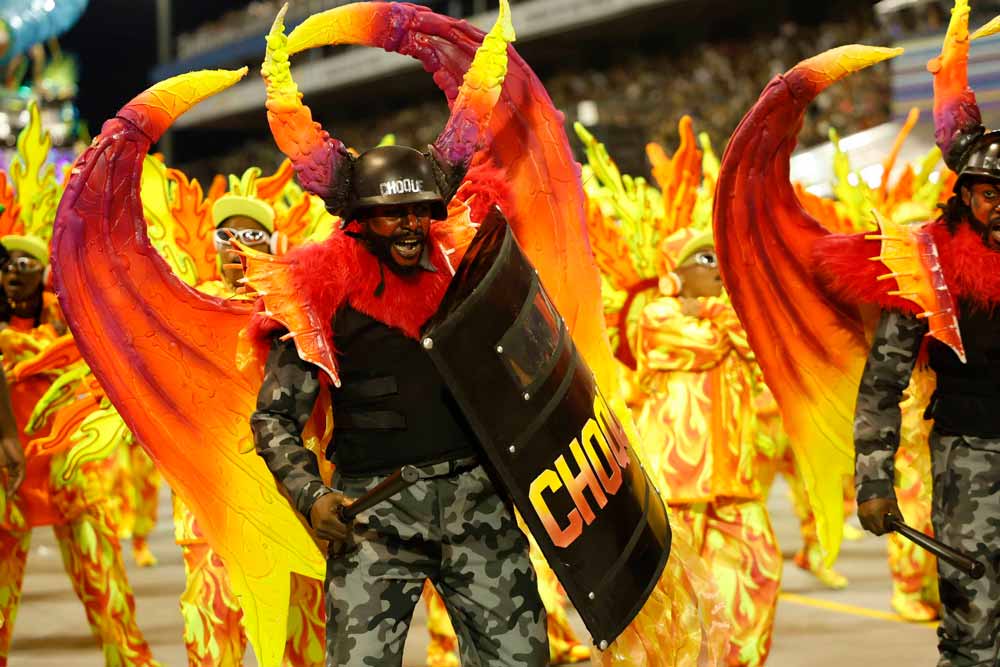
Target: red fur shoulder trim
(971,269)
(340,271)
(843,267)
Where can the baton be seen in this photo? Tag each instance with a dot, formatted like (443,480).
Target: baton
(963,562)
(386,489)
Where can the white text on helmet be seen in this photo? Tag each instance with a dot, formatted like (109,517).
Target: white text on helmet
(401,186)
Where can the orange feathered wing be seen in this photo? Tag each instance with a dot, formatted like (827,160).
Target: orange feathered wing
(811,348)
(164,354)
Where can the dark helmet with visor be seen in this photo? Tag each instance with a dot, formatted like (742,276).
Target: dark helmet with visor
(393,176)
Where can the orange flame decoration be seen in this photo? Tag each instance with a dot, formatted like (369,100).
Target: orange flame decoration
(10,217)
(679,177)
(810,348)
(955,108)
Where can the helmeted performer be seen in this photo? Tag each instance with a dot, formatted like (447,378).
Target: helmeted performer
(168,326)
(925,283)
(385,275)
(78,507)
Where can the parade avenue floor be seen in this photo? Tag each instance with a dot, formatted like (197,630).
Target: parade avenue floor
(815,627)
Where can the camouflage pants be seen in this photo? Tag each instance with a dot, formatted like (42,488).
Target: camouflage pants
(967,516)
(452,528)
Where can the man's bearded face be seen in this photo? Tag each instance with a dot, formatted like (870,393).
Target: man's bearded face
(983,199)
(398,232)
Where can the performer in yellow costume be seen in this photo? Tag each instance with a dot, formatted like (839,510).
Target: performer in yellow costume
(697,369)
(137,489)
(214,634)
(76,505)
(696,373)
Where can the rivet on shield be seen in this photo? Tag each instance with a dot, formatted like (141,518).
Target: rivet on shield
(603,645)
(591,595)
(428,343)
(499,349)
(512,449)
(527,396)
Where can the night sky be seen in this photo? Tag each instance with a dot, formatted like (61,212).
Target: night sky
(115,43)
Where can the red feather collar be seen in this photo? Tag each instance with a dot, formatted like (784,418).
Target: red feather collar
(342,271)
(843,266)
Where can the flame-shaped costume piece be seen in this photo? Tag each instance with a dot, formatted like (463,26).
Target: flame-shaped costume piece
(765,241)
(115,278)
(956,114)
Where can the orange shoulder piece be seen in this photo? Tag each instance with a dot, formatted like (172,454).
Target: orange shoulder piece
(910,254)
(273,279)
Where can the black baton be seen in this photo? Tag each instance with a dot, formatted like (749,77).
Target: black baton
(386,489)
(963,562)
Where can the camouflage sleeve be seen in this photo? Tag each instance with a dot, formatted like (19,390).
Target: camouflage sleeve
(284,405)
(877,415)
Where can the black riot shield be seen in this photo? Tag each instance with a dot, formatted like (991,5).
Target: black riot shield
(549,435)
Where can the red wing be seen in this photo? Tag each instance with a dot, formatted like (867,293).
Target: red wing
(810,348)
(165,355)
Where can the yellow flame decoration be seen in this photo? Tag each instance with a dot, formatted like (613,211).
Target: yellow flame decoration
(34,180)
(157,198)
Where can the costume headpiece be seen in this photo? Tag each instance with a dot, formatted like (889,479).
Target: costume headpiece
(30,209)
(323,164)
(968,149)
(242,199)
(638,231)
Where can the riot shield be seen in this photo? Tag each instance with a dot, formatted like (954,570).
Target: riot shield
(547,432)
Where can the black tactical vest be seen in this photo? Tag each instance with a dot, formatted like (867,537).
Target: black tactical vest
(967,398)
(392,408)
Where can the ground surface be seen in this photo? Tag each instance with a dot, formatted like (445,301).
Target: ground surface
(815,627)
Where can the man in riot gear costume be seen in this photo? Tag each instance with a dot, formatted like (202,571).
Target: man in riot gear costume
(372,285)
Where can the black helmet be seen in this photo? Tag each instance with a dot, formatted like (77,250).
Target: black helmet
(979,159)
(392,175)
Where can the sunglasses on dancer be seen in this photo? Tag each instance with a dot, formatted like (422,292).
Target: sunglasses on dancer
(250,237)
(23,265)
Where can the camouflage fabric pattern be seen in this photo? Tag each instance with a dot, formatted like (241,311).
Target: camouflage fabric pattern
(966,515)
(453,529)
(284,404)
(877,416)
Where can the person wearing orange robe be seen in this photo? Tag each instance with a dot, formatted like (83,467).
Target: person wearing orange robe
(214,635)
(699,429)
(78,509)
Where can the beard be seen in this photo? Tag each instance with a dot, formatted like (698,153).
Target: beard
(409,245)
(989,231)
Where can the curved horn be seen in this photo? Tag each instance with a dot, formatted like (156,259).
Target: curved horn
(481,85)
(957,121)
(321,162)
(393,27)
(154,110)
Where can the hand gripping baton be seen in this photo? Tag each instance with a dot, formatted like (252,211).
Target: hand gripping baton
(386,489)
(963,562)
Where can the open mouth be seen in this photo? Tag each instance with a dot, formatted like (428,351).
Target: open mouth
(408,248)
(993,235)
